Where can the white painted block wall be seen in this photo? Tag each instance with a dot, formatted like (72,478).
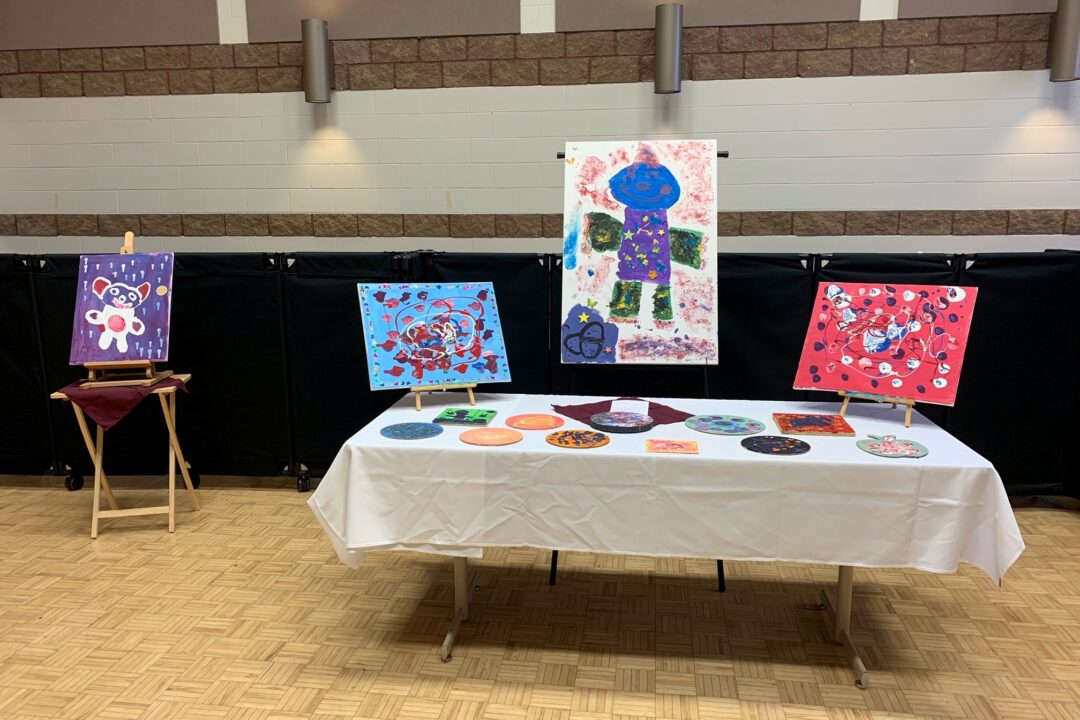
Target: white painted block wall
(964,141)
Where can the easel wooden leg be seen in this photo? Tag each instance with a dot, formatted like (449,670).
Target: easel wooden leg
(843,406)
(472,398)
(85,430)
(99,474)
(907,417)
(172,474)
(841,613)
(416,394)
(175,443)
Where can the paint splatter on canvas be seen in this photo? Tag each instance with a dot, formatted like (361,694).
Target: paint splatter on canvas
(639,248)
(420,334)
(122,307)
(902,340)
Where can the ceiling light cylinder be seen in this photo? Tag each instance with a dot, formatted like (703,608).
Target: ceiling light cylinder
(1065,46)
(318,60)
(668,65)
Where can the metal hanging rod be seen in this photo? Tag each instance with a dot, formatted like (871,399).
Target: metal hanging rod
(719,153)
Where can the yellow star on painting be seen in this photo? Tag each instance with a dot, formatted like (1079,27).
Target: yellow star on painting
(583,317)
(628,234)
(660,231)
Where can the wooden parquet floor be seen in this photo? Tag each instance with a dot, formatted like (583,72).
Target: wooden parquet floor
(246,613)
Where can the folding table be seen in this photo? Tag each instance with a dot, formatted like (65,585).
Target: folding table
(835,505)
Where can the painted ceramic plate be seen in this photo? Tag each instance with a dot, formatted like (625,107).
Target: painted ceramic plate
(776,445)
(490,437)
(581,439)
(621,422)
(411,431)
(889,446)
(535,421)
(725,424)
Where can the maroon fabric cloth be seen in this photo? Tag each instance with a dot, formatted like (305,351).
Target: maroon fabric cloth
(661,414)
(108,405)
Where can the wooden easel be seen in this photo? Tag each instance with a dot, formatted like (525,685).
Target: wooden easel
(167,397)
(132,373)
(891,399)
(140,373)
(467,387)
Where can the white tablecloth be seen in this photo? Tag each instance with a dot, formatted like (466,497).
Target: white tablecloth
(835,504)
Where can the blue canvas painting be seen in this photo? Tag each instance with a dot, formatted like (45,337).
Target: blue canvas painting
(421,334)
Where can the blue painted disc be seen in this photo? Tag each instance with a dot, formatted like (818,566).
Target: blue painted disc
(411,431)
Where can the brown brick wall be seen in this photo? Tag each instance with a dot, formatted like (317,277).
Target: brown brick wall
(729,224)
(891,47)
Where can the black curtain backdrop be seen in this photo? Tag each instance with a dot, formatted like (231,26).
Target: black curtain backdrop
(227,331)
(1025,329)
(25,439)
(328,380)
(762,310)
(276,347)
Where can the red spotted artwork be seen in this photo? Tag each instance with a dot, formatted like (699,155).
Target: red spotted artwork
(432,334)
(904,341)
(639,253)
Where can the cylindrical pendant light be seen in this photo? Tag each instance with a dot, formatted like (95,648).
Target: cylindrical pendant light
(1065,45)
(668,65)
(318,60)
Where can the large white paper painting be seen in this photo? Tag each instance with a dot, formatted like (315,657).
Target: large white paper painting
(639,252)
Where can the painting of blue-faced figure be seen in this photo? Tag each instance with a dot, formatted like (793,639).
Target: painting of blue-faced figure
(639,253)
(122,308)
(423,334)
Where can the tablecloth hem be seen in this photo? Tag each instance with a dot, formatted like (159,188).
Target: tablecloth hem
(345,551)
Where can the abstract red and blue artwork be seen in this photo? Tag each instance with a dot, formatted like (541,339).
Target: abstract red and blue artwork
(122,307)
(639,252)
(420,334)
(907,341)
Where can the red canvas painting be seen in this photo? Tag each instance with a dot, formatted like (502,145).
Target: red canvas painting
(902,340)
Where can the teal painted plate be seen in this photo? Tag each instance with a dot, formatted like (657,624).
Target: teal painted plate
(725,424)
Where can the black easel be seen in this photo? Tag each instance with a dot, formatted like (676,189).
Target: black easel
(721,584)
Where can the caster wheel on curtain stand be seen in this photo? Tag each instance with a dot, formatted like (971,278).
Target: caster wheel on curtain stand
(73,482)
(303,482)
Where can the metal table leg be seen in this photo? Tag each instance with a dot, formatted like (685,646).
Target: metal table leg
(841,613)
(463,587)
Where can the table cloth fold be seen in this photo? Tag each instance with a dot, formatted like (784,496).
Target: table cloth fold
(835,505)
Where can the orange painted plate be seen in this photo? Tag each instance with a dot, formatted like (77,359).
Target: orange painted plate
(491,436)
(581,439)
(535,421)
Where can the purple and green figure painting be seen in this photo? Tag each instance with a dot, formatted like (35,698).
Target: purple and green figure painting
(122,307)
(639,235)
